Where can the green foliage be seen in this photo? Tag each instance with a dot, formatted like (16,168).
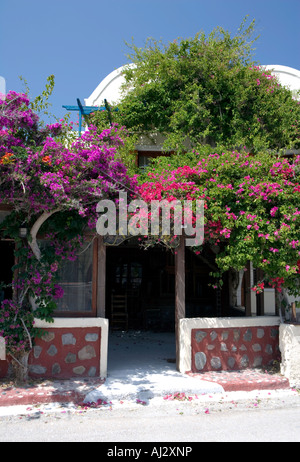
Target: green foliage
(40,104)
(208,98)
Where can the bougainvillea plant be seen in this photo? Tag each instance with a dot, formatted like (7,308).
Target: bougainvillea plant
(52,191)
(251,210)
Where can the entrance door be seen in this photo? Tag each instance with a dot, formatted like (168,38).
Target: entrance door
(6,264)
(147,280)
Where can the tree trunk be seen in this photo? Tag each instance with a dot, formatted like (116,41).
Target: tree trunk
(19,362)
(234,279)
(281,303)
(34,231)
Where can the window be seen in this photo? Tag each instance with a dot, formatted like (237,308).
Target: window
(78,281)
(129,275)
(145,157)
(144,161)
(7,247)
(6,273)
(4,214)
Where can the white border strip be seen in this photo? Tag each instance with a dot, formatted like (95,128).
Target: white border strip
(2,349)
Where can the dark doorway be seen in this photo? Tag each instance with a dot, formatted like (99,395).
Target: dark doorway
(147,279)
(6,264)
(201,298)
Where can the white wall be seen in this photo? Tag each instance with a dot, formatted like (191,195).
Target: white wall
(289,344)
(287,76)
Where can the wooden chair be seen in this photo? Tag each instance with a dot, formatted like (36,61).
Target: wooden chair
(119,314)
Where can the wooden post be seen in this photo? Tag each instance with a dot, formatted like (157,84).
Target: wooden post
(179,292)
(101,278)
(248,290)
(260,298)
(278,306)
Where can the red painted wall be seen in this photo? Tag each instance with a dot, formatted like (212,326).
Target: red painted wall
(64,353)
(234,348)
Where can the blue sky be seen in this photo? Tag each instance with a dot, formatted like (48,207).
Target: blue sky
(81,42)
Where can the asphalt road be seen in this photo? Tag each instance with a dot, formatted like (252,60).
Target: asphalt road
(252,417)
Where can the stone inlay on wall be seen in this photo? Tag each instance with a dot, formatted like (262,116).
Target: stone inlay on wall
(234,348)
(67,352)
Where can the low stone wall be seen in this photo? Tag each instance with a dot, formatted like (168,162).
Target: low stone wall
(214,344)
(70,347)
(289,342)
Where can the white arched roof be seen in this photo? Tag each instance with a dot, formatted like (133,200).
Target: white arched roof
(110,87)
(288,76)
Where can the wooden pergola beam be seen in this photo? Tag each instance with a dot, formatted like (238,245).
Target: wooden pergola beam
(179,292)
